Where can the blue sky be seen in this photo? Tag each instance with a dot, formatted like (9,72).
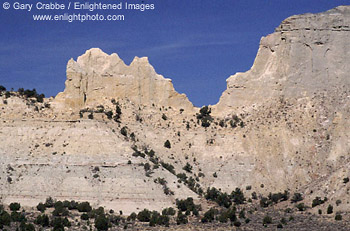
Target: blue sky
(196,43)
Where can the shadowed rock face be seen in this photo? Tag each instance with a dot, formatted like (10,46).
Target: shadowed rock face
(307,53)
(96,77)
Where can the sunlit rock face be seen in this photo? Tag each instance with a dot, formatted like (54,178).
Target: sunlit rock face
(96,77)
(307,54)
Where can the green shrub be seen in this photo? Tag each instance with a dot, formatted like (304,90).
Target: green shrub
(283,221)
(346,180)
(238,196)
(115,220)
(181,218)
(168,167)
(26,227)
(182,177)
(188,168)
(42,220)
(223,200)
(124,131)
(147,167)
(277,197)
(242,214)
(204,116)
(338,217)
(109,114)
(157,219)
(296,198)
(338,202)
(231,214)
(101,223)
(137,153)
(73,205)
(186,204)
(330,209)
(144,215)
(41,207)
(254,196)
(169,211)
(84,216)
(318,201)
(264,202)
(5,218)
(84,207)
(222,217)
(15,206)
(49,202)
(301,207)
(132,217)
(118,113)
(237,223)
(267,220)
(17,217)
(96,212)
(167,144)
(209,215)
(58,224)
(60,211)
(91,116)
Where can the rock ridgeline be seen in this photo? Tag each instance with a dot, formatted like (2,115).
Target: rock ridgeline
(307,53)
(96,77)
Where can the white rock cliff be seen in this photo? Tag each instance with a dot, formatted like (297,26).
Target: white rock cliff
(96,76)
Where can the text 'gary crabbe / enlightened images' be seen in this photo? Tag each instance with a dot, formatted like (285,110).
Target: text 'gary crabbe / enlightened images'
(79,6)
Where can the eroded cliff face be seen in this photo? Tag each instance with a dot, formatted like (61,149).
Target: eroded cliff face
(307,54)
(294,104)
(96,78)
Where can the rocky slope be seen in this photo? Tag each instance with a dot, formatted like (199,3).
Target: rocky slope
(283,125)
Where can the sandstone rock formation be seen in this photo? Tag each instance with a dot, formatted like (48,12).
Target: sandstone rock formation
(96,76)
(307,54)
(283,125)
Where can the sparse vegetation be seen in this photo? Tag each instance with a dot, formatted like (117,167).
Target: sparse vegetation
(223,199)
(15,206)
(124,131)
(301,207)
(318,201)
(267,220)
(338,217)
(296,198)
(167,144)
(330,209)
(273,198)
(204,116)
(168,167)
(236,121)
(188,167)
